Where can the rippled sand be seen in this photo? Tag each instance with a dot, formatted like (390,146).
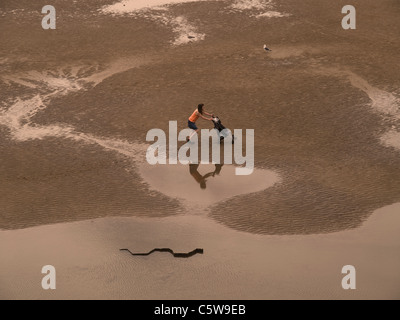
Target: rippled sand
(76,104)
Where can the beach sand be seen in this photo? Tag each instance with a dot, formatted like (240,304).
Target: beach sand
(77,102)
(235,265)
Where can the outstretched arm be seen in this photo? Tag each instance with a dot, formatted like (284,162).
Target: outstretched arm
(205,118)
(208,114)
(208,175)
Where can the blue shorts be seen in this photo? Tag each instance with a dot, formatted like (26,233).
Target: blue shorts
(192,125)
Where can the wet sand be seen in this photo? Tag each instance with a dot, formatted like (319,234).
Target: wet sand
(235,265)
(77,102)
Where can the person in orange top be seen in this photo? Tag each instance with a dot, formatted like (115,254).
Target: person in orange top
(198,113)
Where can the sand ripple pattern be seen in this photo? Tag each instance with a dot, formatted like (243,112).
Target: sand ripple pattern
(82,188)
(348,177)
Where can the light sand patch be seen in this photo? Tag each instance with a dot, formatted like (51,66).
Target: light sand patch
(18,116)
(257,8)
(18,120)
(51,82)
(242,5)
(272,14)
(118,66)
(383,102)
(131,6)
(391,139)
(4,60)
(185,32)
(73,78)
(157,11)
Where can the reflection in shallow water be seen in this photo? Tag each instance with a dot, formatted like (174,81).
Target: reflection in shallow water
(202,179)
(235,265)
(316,128)
(174,254)
(217,182)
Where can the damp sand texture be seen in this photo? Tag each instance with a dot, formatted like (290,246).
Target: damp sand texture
(76,104)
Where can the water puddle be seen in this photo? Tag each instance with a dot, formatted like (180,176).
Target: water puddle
(204,184)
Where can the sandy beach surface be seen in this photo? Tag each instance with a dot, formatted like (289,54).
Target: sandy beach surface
(76,104)
(235,265)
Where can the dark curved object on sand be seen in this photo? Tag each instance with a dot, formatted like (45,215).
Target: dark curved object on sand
(176,255)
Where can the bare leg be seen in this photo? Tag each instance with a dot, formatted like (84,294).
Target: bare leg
(193,133)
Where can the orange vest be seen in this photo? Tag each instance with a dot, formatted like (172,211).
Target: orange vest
(194,116)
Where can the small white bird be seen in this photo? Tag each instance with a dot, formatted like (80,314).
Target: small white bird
(266,48)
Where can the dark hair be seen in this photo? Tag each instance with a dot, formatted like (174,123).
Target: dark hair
(200,108)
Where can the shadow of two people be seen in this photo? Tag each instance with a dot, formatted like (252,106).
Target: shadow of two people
(202,179)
